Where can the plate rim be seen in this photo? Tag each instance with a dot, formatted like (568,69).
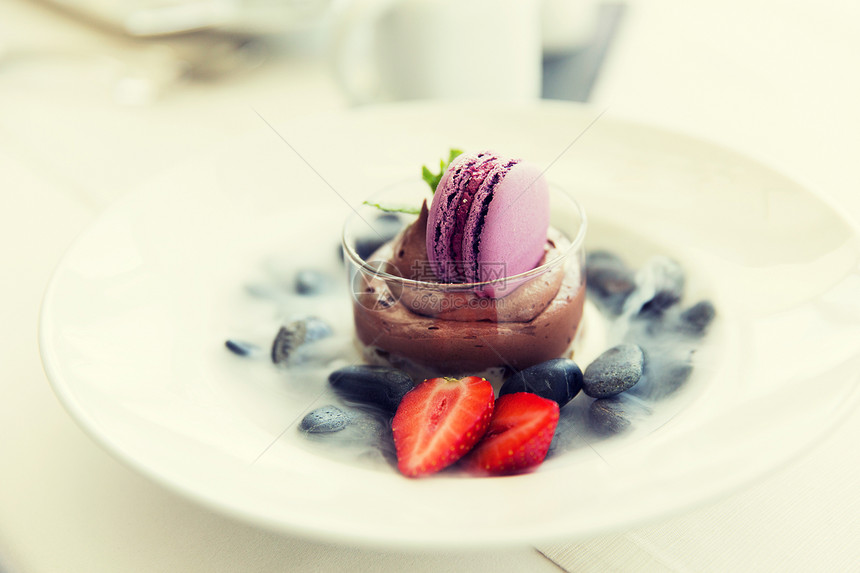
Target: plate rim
(89,425)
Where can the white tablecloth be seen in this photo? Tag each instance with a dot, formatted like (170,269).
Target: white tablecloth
(777,81)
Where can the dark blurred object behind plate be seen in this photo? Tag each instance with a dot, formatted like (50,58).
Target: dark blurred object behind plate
(572,76)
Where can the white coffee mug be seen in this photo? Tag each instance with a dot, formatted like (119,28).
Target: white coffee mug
(387,50)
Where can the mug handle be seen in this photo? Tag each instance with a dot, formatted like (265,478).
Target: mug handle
(355,68)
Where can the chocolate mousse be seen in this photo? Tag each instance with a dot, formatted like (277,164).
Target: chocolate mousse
(408,319)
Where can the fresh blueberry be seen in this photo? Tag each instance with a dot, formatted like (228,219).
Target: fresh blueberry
(296,333)
(365,437)
(325,420)
(366,246)
(659,285)
(310,282)
(384,228)
(696,319)
(375,386)
(559,379)
(241,348)
(616,370)
(609,280)
(289,338)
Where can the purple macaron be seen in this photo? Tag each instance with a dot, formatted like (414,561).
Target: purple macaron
(488,219)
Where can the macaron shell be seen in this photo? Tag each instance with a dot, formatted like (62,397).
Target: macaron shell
(439,224)
(448,216)
(508,238)
(470,185)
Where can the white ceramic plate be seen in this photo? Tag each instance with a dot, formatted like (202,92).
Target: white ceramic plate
(134,322)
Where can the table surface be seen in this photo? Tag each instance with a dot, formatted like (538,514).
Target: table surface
(79,127)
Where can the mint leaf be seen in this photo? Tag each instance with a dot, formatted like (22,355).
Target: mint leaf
(390,209)
(432,179)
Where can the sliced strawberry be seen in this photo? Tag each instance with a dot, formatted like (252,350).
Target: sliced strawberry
(519,435)
(439,421)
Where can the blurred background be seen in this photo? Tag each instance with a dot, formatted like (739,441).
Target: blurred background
(98,96)
(145,81)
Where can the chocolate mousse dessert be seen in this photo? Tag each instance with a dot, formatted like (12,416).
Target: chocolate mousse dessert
(479,282)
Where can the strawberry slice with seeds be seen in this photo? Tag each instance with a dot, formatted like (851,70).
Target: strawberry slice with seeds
(439,421)
(518,437)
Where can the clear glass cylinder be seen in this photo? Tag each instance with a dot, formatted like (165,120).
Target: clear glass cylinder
(404,317)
